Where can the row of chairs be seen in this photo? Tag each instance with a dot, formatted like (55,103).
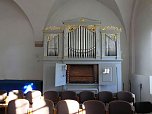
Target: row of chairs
(104,96)
(94,107)
(22,106)
(14,94)
(18,94)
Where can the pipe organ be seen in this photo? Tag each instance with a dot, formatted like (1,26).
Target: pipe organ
(52,44)
(85,42)
(81,42)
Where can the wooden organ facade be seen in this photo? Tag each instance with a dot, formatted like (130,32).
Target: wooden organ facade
(87,53)
(82,73)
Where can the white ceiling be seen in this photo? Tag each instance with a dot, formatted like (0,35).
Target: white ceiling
(39,11)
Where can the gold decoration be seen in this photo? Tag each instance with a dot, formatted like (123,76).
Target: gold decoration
(89,27)
(112,36)
(110,28)
(72,27)
(82,19)
(49,37)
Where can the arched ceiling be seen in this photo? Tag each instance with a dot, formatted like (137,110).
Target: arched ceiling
(123,10)
(39,11)
(113,6)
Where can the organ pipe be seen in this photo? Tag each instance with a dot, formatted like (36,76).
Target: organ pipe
(81,43)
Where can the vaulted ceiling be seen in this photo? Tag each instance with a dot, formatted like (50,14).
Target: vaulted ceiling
(38,11)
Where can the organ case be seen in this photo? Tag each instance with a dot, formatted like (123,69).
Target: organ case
(91,51)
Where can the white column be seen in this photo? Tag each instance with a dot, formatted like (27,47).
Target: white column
(98,43)
(65,43)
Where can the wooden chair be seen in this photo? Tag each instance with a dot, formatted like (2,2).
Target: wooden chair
(3,96)
(42,106)
(120,107)
(68,95)
(125,96)
(105,96)
(15,94)
(86,95)
(32,96)
(67,107)
(52,95)
(94,107)
(18,106)
(3,101)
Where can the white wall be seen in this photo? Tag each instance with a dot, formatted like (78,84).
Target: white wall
(84,8)
(142,94)
(18,57)
(143,38)
(94,10)
(37,12)
(125,7)
(142,56)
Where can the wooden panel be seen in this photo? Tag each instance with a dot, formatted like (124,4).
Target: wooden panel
(81,70)
(38,43)
(81,79)
(77,73)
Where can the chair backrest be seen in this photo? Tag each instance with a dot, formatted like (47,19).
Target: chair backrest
(42,106)
(94,107)
(31,96)
(68,95)
(120,107)
(105,96)
(86,95)
(15,94)
(51,95)
(3,96)
(143,107)
(125,96)
(67,107)
(18,106)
